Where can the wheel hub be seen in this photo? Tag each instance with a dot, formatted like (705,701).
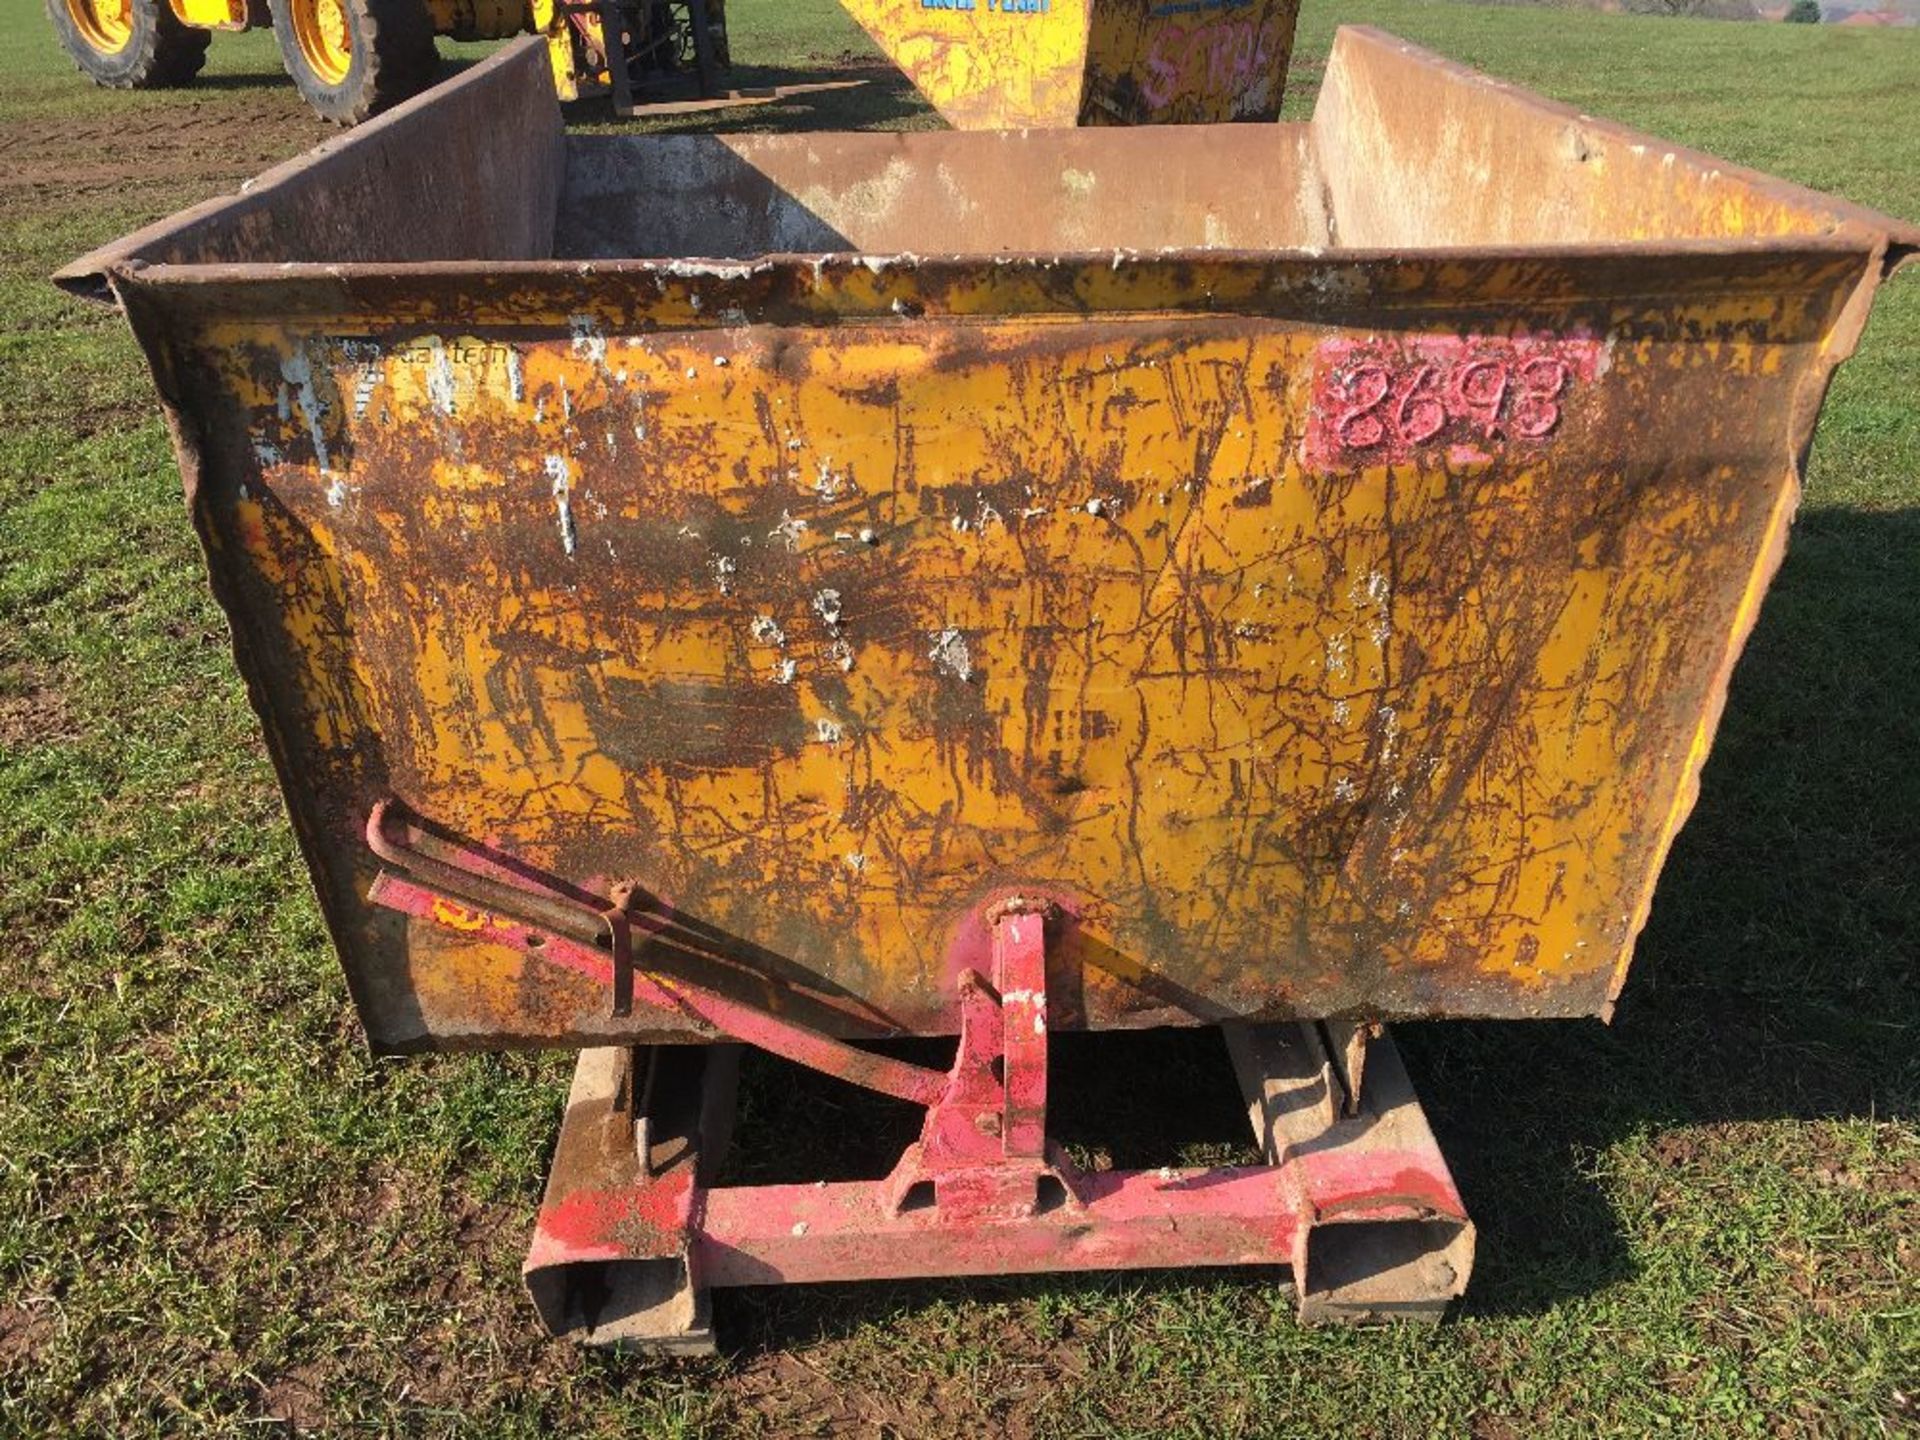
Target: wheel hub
(326,38)
(106,25)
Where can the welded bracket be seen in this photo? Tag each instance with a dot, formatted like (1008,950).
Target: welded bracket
(983,1151)
(1352,1193)
(1361,1206)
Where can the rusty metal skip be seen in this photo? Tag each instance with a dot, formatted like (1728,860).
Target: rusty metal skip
(803,590)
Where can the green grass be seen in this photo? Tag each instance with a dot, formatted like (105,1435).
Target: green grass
(216,1208)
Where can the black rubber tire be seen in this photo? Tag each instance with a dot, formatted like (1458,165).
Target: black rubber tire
(393,58)
(160,52)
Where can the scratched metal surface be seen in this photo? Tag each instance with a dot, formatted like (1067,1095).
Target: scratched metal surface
(1328,629)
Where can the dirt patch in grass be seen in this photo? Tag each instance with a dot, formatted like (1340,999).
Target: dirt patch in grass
(809,1391)
(295,1399)
(460,1256)
(63,164)
(33,711)
(23,1330)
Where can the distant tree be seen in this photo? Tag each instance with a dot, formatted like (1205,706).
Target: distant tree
(1804,12)
(1697,9)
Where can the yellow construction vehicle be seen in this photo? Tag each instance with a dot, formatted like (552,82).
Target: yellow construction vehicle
(354,58)
(983,64)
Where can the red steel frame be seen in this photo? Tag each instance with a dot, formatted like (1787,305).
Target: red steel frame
(1354,1196)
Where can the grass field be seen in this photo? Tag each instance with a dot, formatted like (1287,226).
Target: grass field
(216,1210)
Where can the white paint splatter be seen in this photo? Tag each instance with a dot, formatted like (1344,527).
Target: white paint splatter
(589,340)
(856,861)
(1336,654)
(788,530)
(949,653)
(337,492)
(440,376)
(826,605)
(1036,1000)
(516,376)
(560,472)
(297,371)
(841,654)
(724,568)
(826,731)
(767,630)
(715,269)
(784,671)
(363,390)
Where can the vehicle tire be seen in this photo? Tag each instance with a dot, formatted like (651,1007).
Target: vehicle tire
(129,44)
(351,59)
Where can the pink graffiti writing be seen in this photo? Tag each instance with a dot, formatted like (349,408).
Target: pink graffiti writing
(1212,57)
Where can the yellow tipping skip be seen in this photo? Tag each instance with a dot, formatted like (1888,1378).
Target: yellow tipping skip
(1311,558)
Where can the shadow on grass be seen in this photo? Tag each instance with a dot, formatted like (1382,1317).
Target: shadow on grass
(262,79)
(1775,981)
(853,93)
(850,94)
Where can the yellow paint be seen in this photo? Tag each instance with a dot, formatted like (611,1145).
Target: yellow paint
(566,83)
(324,36)
(1152,62)
(984,68)
(106,25)
(458,917)
(211,14)
(828,634)
(1017,64)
